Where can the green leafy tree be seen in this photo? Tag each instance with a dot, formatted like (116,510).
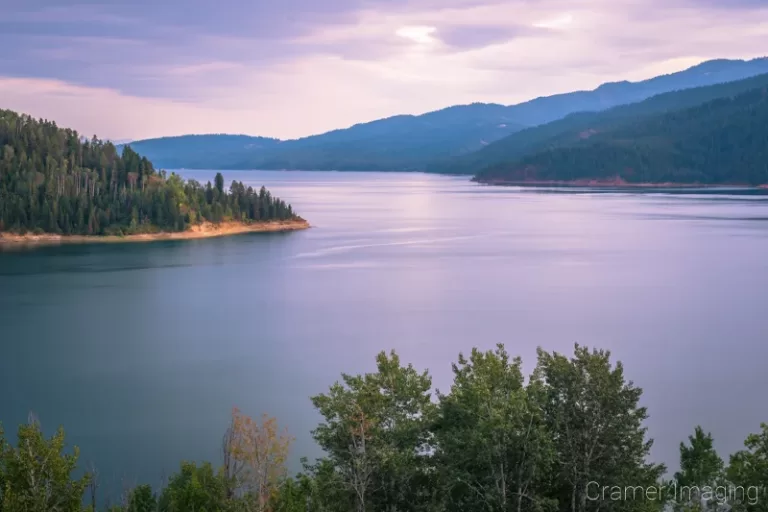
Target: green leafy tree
(142,499)
(597,427)
(195,488)
(748,473)
(493,444)
(36,475)
(289,498)
(700,468)
(323,487)
(375,431)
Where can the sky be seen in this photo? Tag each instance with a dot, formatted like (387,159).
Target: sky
(137,69)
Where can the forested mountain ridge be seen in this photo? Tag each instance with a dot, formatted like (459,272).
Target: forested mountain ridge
(412,142)
(54,181)
(576,127)
(724,141)
(199,151)
(404,142)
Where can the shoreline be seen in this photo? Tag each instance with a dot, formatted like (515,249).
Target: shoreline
(197,231)
(613,184)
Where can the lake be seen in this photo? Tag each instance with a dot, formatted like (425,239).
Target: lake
(141,350)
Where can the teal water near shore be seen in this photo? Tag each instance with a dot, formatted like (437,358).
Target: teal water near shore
(140,351)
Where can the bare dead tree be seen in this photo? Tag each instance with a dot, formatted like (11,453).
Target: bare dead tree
(233,466)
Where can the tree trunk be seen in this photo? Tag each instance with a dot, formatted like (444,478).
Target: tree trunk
(573,498)
(503,477)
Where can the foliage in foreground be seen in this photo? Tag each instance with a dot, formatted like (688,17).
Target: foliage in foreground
(495,441)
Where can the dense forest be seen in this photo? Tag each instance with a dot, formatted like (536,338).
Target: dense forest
(574,128)
(569,438)
(724,141)
(52,180)
(434,141)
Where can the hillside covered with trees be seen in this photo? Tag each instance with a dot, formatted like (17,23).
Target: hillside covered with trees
(576,127)
(54,181)
(200,151)
(403,142)
(724,141)
(569,438)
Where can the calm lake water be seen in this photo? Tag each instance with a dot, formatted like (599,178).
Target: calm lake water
(141,350)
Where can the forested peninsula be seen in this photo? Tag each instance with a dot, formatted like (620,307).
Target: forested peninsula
(571,437)
(56,186)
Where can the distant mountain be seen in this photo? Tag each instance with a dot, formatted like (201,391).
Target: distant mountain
(576,127)
(411,143)
(200,151)
(546,109)
(403,142)
(724,141)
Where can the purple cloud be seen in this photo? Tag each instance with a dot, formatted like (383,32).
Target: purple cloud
(472,36)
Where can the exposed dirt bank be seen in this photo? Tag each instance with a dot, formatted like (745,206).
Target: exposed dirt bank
(205,230)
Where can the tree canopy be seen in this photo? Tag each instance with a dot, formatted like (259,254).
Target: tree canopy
(568,438)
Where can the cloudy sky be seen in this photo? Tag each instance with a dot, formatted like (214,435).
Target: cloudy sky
(288,68)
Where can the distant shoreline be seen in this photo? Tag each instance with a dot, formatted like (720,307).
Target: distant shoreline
(611,184)
(197,231)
